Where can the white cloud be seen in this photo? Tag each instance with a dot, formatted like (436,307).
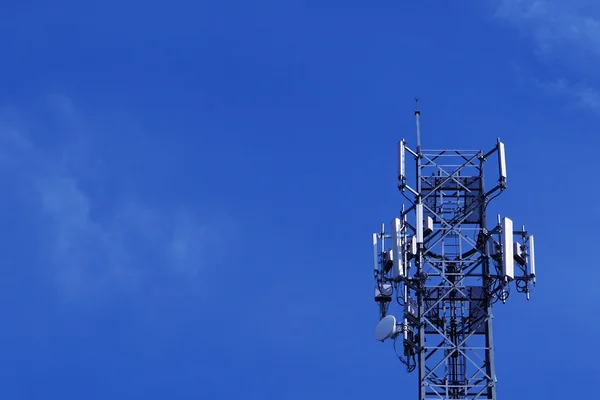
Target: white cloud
(583,96)
(556,25)
(566,34)
(130,246)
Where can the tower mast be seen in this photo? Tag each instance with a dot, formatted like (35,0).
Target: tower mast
(446,269)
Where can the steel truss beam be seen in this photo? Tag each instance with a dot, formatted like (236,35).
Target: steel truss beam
(453,333)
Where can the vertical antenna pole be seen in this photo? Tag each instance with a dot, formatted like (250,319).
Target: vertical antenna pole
(420,292)
(417,115)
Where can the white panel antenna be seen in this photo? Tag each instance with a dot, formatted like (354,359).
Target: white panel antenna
(413,245)
(397,267)
(375,253)
(419,216)
(386,328)
(502,162)
(428,228)
(531,258)
(401,161)
(508,262)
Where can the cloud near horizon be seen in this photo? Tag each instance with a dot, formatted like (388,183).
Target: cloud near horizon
(94,250)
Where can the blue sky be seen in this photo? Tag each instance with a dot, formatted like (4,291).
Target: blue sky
(190,188)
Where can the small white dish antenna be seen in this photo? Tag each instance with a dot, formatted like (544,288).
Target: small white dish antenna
(386,328)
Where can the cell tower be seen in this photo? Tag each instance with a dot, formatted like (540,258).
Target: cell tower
(446,269)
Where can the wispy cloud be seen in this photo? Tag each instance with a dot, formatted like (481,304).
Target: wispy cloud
(121,249)
(583,96)
(567,34)
(571,26)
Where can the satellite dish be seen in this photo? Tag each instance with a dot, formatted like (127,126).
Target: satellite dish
(386,328)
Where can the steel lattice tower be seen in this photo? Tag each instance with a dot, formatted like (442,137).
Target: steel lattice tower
(446,269)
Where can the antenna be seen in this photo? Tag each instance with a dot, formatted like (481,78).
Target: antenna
(386,328)
(419,222)
(375,254)
(417,115)
(447,269)
(413,246)
(397,267)
(531,258)
(508,262)
(502,164)
(401,164)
